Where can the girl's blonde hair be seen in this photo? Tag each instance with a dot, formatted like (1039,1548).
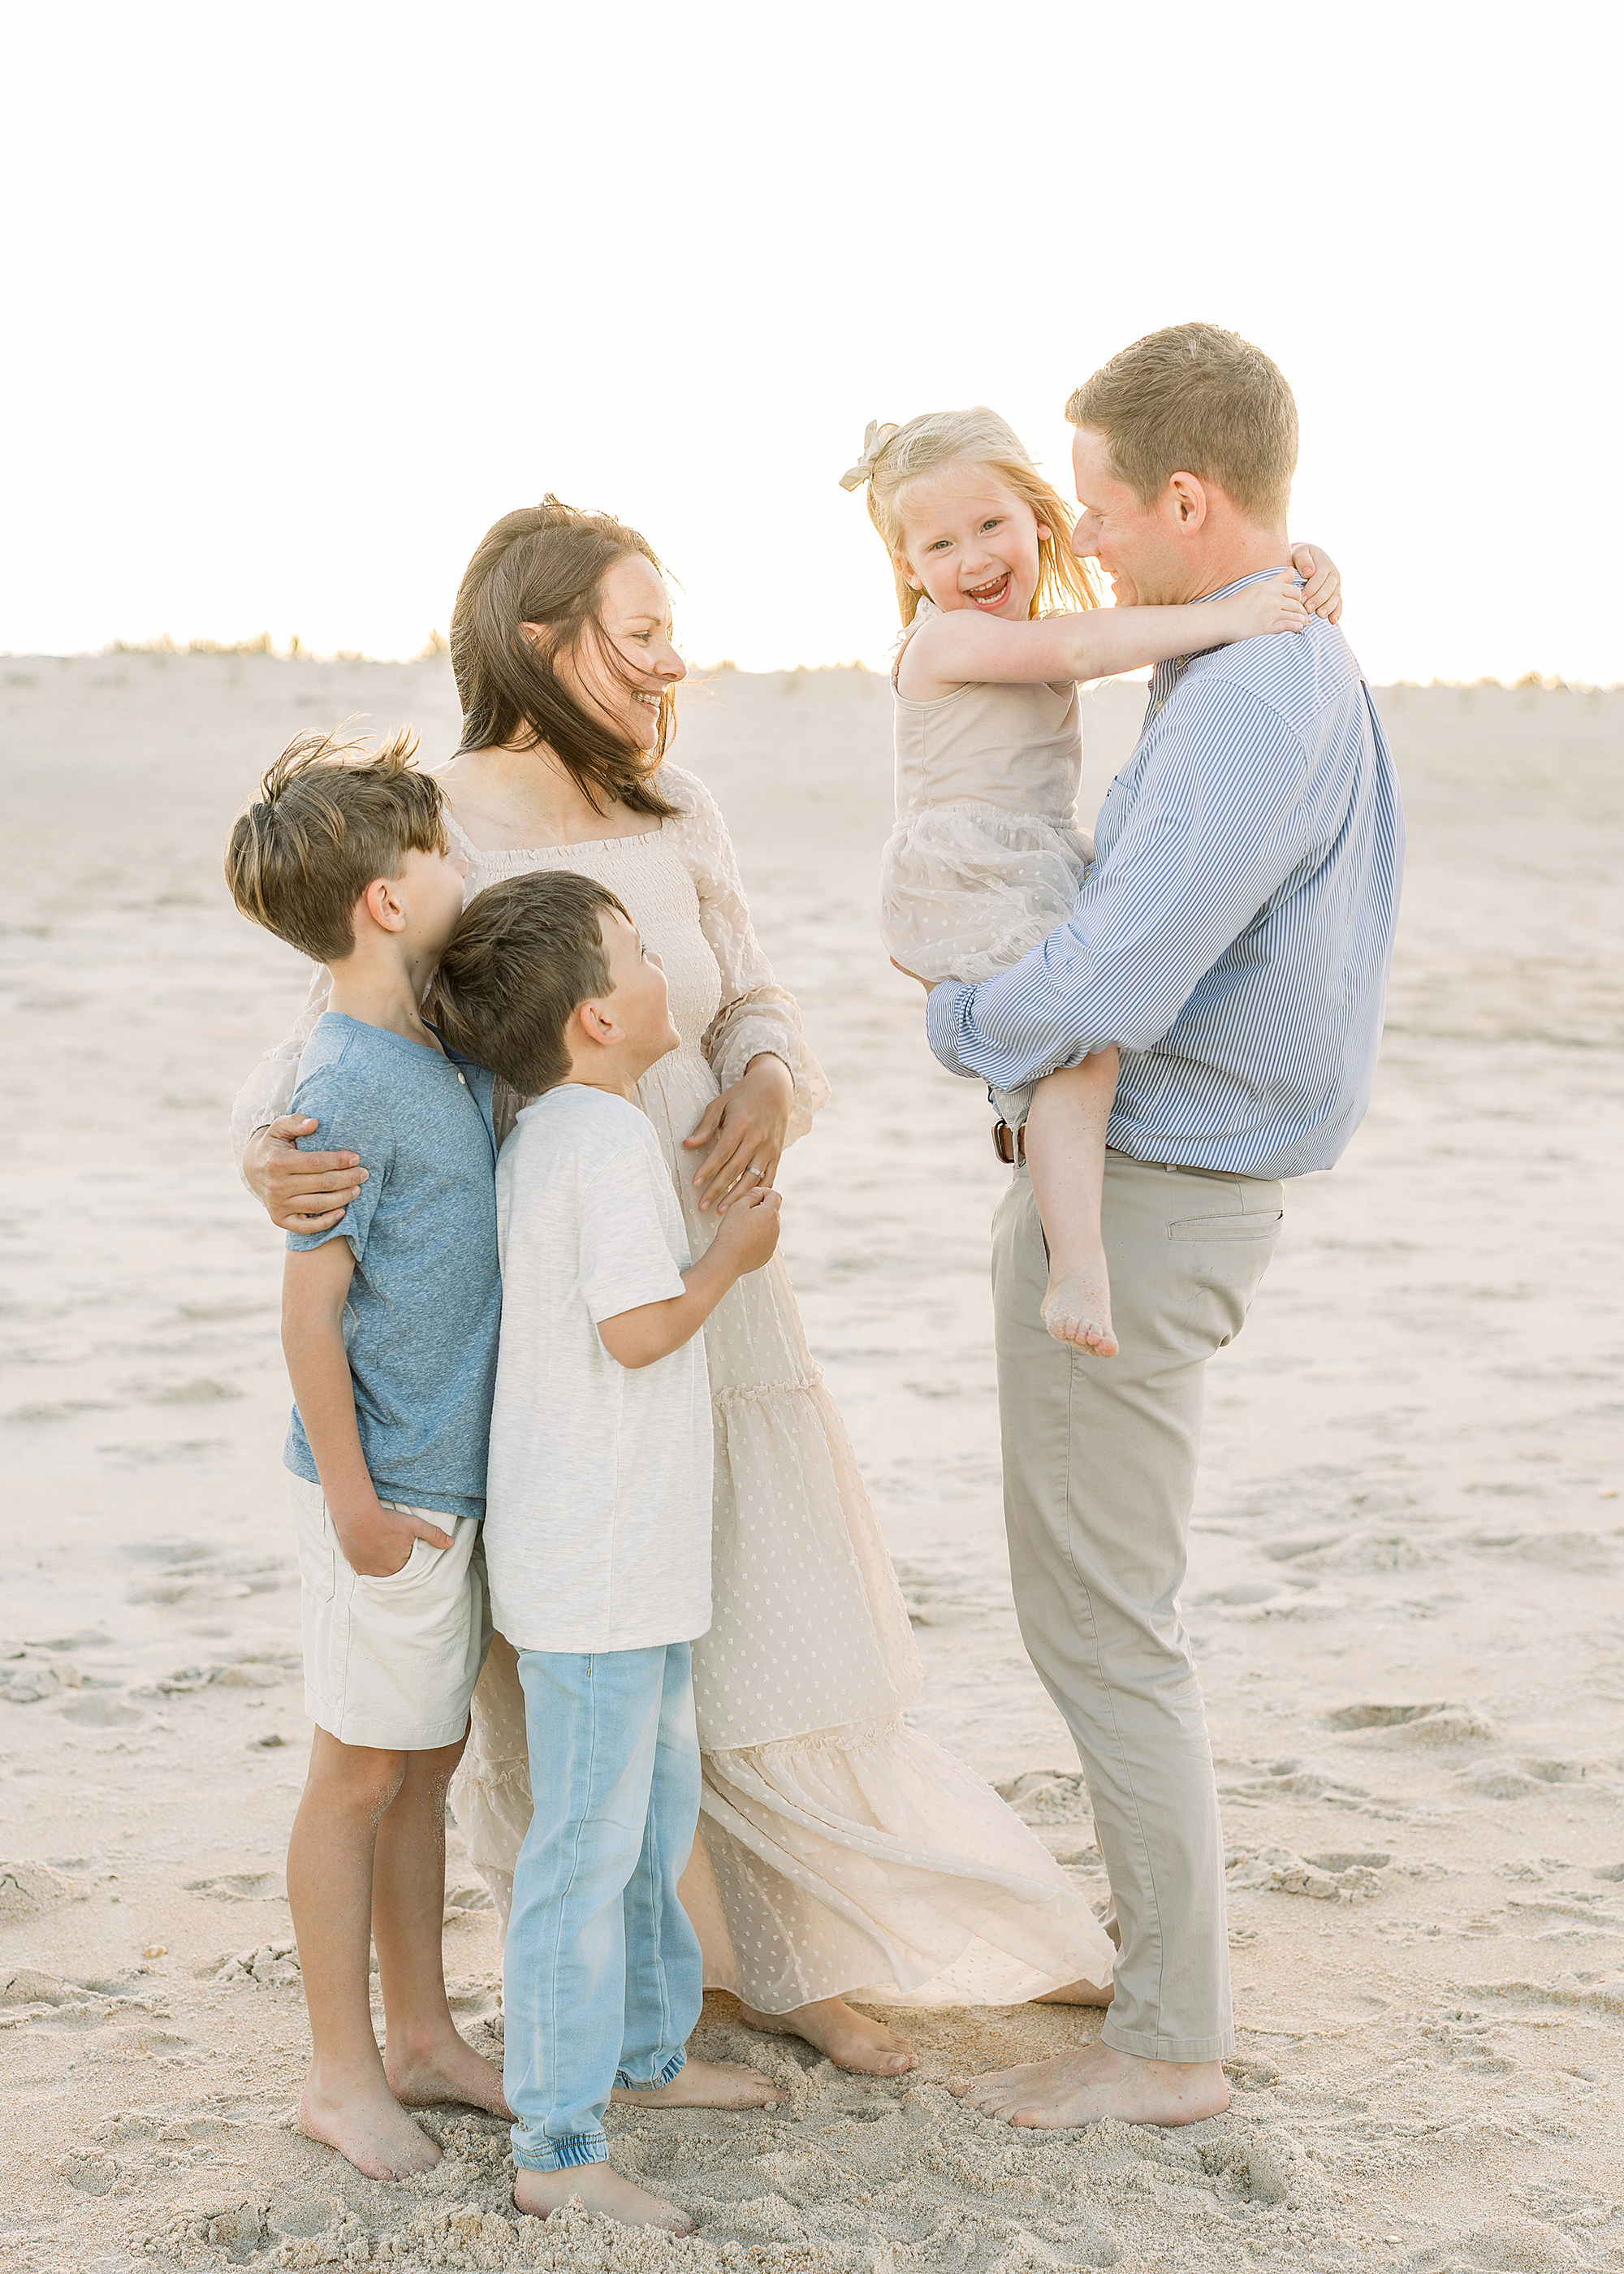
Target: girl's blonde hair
(894,457)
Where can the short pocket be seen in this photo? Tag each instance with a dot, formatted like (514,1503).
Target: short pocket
(1262,1225)
(421,1561)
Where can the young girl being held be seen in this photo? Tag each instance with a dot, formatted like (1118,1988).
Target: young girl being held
(986,857)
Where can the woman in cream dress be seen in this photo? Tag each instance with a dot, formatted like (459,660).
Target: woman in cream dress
(841,1854)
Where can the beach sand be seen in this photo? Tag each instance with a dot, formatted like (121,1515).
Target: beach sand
(1405,1578)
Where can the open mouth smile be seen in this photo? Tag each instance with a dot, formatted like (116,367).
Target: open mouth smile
(991,595)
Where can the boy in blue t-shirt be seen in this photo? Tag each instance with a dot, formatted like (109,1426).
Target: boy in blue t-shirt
(389,1328)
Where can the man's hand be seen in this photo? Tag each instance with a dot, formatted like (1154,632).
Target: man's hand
(299,1191)
(745,1128)
(377,1540)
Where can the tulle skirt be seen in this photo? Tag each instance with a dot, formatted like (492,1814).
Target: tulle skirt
(967,889)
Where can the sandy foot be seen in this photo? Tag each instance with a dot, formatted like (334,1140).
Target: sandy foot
(705,2084)
(848,2038)
(450,2069)
(1078,1310)
(1082,2088)
(368,2128)
(602,2189)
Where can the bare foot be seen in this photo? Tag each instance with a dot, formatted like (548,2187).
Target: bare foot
(1082,2088)
(1078,1310)
(706,2084)
(446,2068)
(848,2038)
(367,2126)
(601,2188)
(1078,1993)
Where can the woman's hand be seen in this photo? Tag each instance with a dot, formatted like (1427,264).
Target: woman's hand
(745,1128)
(1322,581)
(299,1191)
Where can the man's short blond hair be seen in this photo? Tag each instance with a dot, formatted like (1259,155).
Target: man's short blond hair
(330,818)
(1194,399)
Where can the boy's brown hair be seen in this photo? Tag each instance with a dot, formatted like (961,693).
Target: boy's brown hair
(1195,399)
(525,955)
(331,817)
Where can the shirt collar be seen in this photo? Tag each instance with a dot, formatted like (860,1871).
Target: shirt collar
(1224,590)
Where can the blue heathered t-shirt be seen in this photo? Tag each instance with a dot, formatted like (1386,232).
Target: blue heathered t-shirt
(424,1304)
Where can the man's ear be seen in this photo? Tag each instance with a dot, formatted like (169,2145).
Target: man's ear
(1187,497)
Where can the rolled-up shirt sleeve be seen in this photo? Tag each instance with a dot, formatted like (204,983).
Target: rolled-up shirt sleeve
(1215,824)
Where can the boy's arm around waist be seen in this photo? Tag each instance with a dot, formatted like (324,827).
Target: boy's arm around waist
(376,1541)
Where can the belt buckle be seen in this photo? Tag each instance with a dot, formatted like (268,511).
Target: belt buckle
(1012,1139)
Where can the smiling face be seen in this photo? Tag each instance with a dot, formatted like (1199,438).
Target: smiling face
(1144,549)
(623,674)
(969,541)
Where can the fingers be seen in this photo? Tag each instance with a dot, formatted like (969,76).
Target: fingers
(308,1223)
(287,1126)
(335,1166)
(723,1165)
(432,1533)
(710,1122)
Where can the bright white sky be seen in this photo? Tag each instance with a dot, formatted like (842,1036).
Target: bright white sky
(301,299)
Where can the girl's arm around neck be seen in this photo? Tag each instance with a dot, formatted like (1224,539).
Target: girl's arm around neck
(960,646)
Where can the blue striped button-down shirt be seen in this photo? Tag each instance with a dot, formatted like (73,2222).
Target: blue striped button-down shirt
(1233,934)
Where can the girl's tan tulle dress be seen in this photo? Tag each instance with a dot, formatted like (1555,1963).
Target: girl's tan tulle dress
(840,1852)
(986,857)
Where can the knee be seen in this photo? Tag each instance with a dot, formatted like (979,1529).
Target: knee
(364,1779)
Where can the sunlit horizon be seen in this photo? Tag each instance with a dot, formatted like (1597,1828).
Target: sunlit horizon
(298,318)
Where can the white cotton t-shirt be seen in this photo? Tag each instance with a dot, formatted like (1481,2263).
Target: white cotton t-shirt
(597,1498)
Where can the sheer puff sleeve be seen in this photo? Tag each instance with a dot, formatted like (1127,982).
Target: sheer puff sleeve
(268,1090)
(756,1013)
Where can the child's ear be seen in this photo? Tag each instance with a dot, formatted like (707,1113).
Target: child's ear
(378,905)
(905,569)
(596,1023)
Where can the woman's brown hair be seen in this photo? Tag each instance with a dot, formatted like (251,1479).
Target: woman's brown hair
(543,566)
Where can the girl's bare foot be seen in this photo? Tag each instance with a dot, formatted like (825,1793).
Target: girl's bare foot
(1078,1310)
(445,2067)
(602,2189)
(849,2039)
(706,2084)
(1078,1993)
(366,2124)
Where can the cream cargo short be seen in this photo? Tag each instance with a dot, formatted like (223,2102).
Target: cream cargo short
(392,1663)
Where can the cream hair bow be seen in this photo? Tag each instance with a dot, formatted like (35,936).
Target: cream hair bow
(874,442)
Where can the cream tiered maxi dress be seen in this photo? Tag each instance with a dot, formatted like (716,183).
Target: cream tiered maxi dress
(840,1852)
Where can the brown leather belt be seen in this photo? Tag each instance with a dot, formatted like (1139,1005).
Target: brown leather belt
(1010,1145)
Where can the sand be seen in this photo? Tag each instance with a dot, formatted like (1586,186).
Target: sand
(1404,1584)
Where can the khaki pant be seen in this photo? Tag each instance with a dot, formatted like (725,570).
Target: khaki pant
(1099,1479)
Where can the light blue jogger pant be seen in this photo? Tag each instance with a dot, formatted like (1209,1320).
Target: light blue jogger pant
(602,1980)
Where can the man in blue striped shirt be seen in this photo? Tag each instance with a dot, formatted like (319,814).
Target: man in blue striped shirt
(1233,939)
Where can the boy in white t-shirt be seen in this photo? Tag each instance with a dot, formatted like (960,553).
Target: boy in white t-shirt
(597,1525)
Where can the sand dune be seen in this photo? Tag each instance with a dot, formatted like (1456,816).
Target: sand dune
(1405,1582)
